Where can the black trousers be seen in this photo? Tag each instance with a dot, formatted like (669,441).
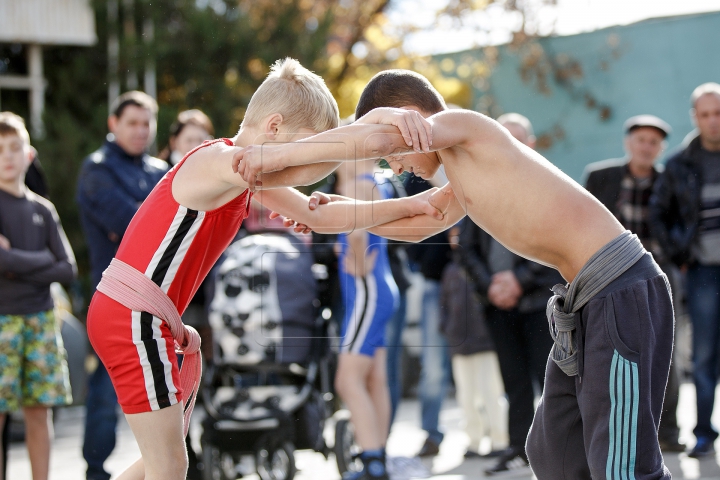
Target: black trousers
(523,343)
(602,423)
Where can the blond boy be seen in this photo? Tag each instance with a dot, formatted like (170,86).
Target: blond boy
(178,234)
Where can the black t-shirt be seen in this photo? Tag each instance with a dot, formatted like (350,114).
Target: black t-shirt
(40,254)
(432,254)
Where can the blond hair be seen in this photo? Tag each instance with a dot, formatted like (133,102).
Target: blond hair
(12,124)
(296,93)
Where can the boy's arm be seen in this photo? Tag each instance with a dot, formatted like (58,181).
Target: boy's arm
(64,269)
(361,141)
(413,229)
(421,227)
(345,215)
(220,156)
(15,262)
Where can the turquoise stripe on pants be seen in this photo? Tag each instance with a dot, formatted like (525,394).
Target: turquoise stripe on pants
(622,431)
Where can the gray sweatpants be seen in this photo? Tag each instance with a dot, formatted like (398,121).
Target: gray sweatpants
(602,423)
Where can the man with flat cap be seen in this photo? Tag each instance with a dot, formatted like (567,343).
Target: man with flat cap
(624,186)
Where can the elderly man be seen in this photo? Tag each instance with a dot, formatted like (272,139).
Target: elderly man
(624,186)
(685,219)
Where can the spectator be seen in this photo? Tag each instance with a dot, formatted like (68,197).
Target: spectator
(400,268)
(475,368)
(35,180)
(685,219)
(515,291)
(34,253)
(430,257)
(370,294)
(624,186)
(113,182)
(190,129)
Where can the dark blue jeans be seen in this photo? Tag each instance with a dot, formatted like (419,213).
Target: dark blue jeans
(703,297)
(393,344)
(100,423)
(435,362)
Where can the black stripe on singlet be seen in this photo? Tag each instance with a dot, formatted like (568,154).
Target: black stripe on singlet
(362,317)
(157,367)
(146,335)
(162,267)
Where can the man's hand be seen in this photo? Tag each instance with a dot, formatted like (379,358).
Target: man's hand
(422,203)
(415,129)
(442,198)
(4,243)
(505,290)
(253,160)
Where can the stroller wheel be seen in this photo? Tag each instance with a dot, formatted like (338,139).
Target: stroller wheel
(276,463)
(345,449)
(216,465)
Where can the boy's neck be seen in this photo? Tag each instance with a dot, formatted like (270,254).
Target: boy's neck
(246,136)
(15,188)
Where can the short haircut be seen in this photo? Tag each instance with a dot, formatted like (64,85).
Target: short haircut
(399,88)
(704,89)
(12,124)
(517,119)
(135,98)
(191,117)
(296,93)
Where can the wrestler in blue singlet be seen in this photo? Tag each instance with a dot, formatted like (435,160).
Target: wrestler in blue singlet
(369,301)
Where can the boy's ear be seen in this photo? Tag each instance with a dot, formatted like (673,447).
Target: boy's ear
(272,125)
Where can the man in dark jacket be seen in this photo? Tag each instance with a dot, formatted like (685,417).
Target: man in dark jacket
(113,182)
(685,219)
(624,186)
(430,257)
(516,292)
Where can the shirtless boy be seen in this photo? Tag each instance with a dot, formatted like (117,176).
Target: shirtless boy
(176,236)
(612,325)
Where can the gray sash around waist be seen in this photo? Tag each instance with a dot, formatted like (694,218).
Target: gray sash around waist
(606,265)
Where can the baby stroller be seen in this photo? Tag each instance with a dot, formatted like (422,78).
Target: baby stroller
(269,388)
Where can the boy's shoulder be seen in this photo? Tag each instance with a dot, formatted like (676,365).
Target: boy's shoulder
(41,203)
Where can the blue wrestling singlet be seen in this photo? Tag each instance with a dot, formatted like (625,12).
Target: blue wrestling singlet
(370,301)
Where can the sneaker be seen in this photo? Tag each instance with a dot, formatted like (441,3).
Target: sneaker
(374,468)
(703,448)
(405,468)
(514,461)
(429,449)
(364,474)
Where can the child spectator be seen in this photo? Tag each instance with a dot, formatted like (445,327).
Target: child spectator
(34,253)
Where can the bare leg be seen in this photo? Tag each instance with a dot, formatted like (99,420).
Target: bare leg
(351,383)
(37,438)
(159,435)
(136,471)
(380,393)
(3,417)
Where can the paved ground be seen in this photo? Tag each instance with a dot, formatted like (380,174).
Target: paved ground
(405,439)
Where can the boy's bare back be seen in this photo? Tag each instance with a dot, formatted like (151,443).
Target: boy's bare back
(518,196)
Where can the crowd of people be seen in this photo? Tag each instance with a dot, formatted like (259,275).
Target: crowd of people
(484,314)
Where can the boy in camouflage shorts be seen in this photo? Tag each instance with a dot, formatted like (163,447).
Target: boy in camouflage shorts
(34,253)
